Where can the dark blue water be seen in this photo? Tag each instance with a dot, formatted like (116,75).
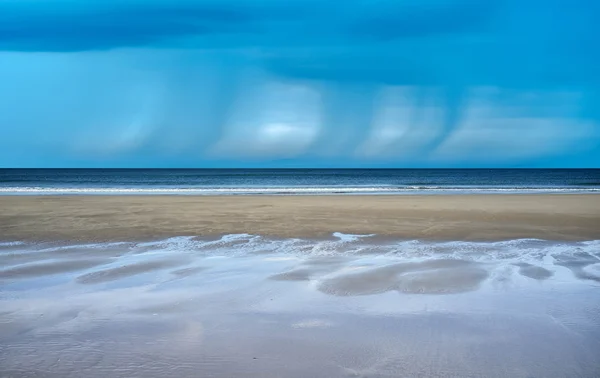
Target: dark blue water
(296,181)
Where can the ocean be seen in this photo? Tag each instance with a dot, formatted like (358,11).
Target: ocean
(295,181)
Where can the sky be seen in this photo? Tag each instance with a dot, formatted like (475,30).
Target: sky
(299,83)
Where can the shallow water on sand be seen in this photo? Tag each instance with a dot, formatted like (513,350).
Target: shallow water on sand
(348,306)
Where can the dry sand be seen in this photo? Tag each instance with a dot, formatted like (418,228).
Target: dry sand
(450,217)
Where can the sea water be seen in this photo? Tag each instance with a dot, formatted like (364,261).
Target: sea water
(297,181)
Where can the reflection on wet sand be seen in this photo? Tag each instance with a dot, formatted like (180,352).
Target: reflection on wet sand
(124,271)
(429,277)
(352,307)
(49,268)
(535,272)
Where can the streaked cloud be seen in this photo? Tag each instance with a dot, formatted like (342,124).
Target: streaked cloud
(271,119)
(314,83)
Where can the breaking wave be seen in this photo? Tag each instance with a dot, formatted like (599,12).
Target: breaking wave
(40,190)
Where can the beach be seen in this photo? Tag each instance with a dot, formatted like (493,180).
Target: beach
(503,286)
(433,217)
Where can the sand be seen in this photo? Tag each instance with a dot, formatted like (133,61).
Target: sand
(144,302)
(449,217)
(193,307)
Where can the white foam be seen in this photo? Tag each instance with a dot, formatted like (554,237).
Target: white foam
(208,191)
(350,237)
(593,270)
(84,246)
(520,250)
(540,252)
(39,190)
(312,323)
(11,243)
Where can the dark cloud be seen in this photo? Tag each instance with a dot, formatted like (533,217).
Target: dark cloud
(80,25)
(420,42)
(76,25)
(424,19)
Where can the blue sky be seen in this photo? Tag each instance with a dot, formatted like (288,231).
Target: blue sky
(299,83)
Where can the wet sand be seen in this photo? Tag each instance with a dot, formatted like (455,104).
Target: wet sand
(256,307)
(447,217)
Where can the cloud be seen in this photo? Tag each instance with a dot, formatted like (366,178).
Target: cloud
(271,120)
(395,82)
(403,124)
(411,19)
(498,126)
(523,126)
(89,25)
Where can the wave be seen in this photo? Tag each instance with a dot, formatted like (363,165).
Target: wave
(41,190)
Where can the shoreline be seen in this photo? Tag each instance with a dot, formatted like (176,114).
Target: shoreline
(494,217)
